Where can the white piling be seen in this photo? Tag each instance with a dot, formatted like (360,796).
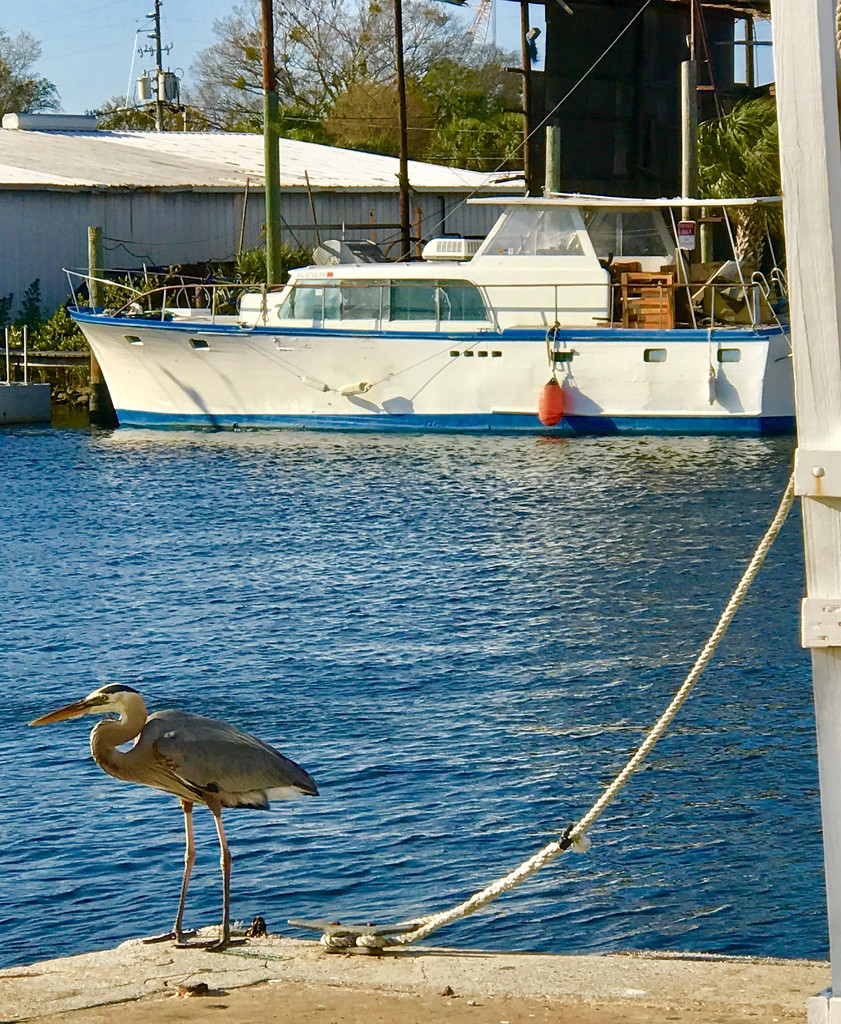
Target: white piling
(810,156)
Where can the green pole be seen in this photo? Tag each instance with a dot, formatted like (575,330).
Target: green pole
(271,148)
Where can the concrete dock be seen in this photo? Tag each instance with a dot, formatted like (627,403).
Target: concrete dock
(279,979)
(24,403)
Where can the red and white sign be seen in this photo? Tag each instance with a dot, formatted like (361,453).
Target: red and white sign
(686,234)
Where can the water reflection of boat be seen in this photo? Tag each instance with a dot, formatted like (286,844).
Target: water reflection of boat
(592,294)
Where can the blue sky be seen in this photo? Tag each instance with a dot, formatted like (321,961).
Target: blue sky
(89,48)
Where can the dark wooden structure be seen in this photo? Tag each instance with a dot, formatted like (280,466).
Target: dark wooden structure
(620,128)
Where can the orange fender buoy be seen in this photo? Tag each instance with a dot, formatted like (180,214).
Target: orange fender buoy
(550,408)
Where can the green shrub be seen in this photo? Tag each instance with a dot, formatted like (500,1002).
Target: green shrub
(251,263)
(59,332)
(30,313)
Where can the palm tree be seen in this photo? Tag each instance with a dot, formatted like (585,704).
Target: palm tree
(738,156)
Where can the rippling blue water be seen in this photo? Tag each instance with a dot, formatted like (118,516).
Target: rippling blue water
(461,638)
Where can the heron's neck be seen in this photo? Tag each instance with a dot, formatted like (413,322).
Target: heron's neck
(108,734)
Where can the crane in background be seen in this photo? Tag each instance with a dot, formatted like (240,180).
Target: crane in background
(479,26)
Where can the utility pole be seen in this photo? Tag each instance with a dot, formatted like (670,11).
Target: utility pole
(156,36)
(403,171)
(158,51)
(271,149)
(159,103)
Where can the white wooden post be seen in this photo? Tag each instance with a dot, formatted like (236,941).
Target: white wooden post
(810,152)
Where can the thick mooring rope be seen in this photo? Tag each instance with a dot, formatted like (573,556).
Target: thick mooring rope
(575,836)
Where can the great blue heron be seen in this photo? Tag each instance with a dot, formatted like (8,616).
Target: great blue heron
(196,759)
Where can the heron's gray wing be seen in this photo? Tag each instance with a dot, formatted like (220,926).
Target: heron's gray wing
(215,759)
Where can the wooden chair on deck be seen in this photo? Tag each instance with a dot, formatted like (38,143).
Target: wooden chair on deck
(648,301)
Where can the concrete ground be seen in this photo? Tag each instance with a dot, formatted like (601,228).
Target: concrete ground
(276,979)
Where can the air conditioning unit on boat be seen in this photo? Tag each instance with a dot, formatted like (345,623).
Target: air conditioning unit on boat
(451,248)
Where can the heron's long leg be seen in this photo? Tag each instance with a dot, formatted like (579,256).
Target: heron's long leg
(189,860)
(224,939)
(225,861)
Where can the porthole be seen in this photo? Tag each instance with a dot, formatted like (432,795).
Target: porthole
(729,355)
(455,353)
(469,353)
(132,339)
(654,355)
(482,354)
(496,354)
(199,343)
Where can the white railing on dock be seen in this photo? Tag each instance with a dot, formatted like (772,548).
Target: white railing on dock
(25,353)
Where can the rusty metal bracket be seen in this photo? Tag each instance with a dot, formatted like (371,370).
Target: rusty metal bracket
(817,474)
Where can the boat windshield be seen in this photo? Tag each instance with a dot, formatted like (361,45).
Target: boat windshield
(383,300)
(624,233)
(527,232)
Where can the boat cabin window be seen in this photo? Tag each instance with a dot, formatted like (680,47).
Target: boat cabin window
(526,232)
(460,300)
(383,300)
(412,301)
(310,301)
(361,300)
(625,233)
(455,300)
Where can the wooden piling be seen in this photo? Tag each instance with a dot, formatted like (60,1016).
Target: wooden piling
(810,160)
(100,407)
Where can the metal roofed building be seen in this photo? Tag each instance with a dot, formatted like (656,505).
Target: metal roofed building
(186,197)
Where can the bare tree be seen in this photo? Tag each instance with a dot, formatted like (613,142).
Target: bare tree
(323,49)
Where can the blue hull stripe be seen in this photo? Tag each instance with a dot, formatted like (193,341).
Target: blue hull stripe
(501,423)
(565,335)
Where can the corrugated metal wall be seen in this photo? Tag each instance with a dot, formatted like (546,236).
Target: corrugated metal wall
(45,230)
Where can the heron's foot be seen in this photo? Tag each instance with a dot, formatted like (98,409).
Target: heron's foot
(177,937)
(217,947)
(211,945)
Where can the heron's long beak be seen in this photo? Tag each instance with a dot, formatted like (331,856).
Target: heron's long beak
(74,710)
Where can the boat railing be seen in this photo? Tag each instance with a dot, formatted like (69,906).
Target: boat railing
(636,300)
(648,302)
(643,300)
(179,295)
